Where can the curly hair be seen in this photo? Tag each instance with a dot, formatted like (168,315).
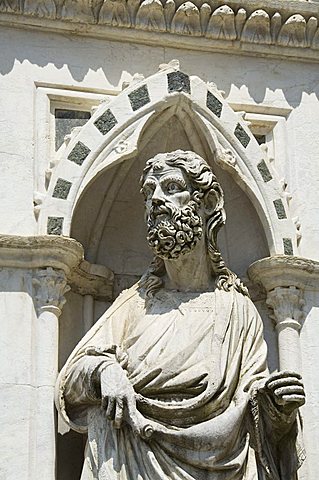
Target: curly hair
(203,181)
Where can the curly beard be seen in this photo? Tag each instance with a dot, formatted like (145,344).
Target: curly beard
(172,231)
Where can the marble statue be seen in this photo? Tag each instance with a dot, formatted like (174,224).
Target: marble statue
(172,381)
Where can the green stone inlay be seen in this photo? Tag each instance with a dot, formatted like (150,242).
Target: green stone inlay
(242,136)
(264,171)
(61,189)
(214,104)
(54,226)
(288,250)
(139,97)
(105,122)
(280,209)
(178,82)
(79,153)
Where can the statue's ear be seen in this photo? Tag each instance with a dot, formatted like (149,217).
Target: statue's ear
(212,200)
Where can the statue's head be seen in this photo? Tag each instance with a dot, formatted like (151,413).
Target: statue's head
(184,204)
(182,201)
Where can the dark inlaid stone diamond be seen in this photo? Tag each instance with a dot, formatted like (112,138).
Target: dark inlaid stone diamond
(288,250)
(54,226)
(79,153)
(280,209)
(61,189)
(139,97)
(214,104)
(242,136)
(105,122)
(264,171)
(178,82)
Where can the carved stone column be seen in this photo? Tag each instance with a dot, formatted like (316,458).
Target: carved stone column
(285,278)
(50,285)
(36,272)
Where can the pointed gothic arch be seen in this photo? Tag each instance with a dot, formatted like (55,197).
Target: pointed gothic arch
(119,129)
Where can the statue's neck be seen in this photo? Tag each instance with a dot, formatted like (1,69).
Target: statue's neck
(191,272)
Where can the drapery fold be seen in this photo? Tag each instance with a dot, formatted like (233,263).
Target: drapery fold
(197,363)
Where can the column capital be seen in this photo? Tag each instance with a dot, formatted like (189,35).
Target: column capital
(287,304)
(285,271)
(50,287)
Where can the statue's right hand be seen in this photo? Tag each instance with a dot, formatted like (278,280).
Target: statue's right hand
(117,393)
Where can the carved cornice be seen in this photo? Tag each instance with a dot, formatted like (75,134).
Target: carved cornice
(254,27)
(61,254)
(58,252)
(285,271)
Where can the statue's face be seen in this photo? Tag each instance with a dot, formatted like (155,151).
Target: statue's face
(173,221)
(166,186)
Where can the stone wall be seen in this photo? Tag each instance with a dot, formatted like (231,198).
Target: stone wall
(43,70)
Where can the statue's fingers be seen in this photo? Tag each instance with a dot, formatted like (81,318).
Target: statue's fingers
(131,414)
(282,382)
(298,399)
(282,374)
(289,390)
(118,418)
(110,411)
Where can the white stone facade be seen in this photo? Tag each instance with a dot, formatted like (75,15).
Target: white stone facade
(242,70)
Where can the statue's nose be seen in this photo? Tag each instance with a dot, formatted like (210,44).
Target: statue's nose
(158,197)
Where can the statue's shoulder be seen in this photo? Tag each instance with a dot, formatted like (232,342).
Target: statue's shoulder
(130,296)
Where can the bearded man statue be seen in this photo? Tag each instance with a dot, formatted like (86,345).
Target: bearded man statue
(172,381)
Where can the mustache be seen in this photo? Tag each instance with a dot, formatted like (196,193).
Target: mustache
(158,210)
(161,210)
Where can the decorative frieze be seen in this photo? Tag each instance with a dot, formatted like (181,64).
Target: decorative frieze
(286,26)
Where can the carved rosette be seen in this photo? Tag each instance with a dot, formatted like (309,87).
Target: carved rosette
(287,304)
(50,286)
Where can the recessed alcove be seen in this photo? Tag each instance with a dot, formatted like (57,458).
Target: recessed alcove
(108,220)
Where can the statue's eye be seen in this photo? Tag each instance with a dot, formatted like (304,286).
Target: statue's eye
(147,191)
(173,187)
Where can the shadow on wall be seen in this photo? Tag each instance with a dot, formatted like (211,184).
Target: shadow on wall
(102,63)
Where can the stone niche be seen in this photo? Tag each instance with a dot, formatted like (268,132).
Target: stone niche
(109,219)
(109,222)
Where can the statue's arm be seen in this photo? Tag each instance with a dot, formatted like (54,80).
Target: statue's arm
(81,379)
(79,383)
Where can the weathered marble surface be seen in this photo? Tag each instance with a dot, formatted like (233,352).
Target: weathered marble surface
(172,381)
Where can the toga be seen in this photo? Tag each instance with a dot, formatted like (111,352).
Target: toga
(197,362)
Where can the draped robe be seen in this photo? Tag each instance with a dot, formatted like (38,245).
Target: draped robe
(197,363)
